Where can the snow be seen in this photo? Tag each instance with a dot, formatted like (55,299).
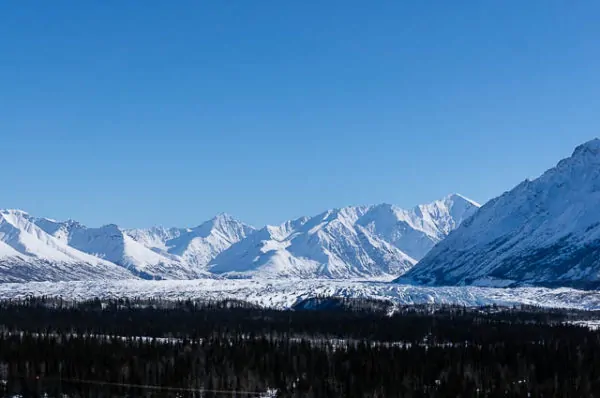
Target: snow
(112,244)
(175,253)
(201,244)
(456,197)
(355,241)
(592,146)
(590,324)
(542,231)
(24,237)
(284,293)
(156,238)
(27,252)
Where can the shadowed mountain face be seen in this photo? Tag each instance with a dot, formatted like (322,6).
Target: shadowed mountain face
(543,232)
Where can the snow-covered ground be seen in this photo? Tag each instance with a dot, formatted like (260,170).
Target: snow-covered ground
(593,324)
(286,292)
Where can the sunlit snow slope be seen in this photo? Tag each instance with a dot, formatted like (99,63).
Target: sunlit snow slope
(359,241)
(28,253)
(543,232)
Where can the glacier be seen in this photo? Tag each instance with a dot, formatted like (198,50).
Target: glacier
(285,293)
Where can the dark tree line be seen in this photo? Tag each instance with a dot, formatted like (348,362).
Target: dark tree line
(327,317)
(417,352)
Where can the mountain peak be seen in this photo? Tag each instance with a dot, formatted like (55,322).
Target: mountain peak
(14,216)
(15,212)
(223,217)
(351,241)
(591,147)
(222,222)
(543,231)
(453,197)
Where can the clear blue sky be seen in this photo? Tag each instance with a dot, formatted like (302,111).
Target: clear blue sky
(161,112)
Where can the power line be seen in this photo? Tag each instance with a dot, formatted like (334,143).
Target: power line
(155,387)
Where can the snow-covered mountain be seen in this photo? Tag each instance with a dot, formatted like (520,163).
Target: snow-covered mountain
(416,231)
(543,232)
(154,253)
(28,253)
(155,238)
(112,244)
(194,246)
(356,241)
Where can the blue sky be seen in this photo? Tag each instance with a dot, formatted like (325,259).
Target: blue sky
(169,112)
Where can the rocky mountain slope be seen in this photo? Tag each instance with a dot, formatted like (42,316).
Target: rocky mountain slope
(542,232)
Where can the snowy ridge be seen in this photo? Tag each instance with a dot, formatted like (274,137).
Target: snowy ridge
(112,244)
(155,253)
(416,231)
(27,252)
(156,238)
(542,232)
(200,245)
(355,241)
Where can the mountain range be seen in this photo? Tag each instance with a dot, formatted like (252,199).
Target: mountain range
(544,232)
(355,241)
